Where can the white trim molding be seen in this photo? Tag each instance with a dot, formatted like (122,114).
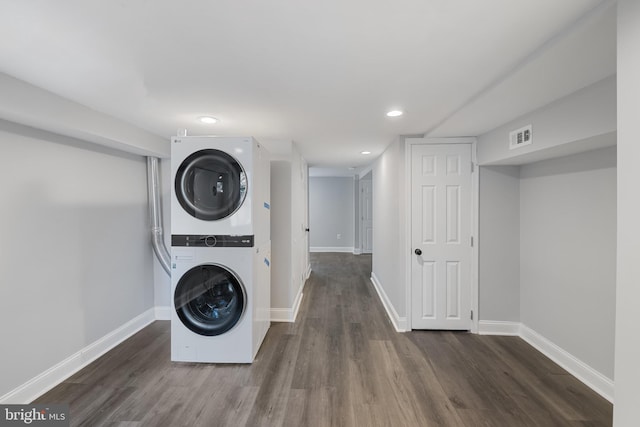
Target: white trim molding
(53,376)
(399,323)
(348,249)
(576,367)
(290,314)
(287,314)
(282,315)
(498,327)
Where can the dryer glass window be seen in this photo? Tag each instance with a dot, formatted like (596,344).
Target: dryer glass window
(209,299)
(210,185)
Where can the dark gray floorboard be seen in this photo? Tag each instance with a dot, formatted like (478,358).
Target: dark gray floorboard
(340,364)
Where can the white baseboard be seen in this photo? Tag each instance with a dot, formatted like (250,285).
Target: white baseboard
(308,272)
(281,314)
(498,327)
(289,314)
(576,367)
(331,249)
(53,376)
(297,302)
(585,373)
(400,323)
(163,313)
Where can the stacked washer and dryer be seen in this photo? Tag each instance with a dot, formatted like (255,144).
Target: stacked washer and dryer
(220,249)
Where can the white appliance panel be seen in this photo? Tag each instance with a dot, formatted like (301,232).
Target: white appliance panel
(240,344)
(205,185)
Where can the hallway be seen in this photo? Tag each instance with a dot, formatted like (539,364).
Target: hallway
(341,363)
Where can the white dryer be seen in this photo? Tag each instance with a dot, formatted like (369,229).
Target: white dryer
(221,299)
(220,186)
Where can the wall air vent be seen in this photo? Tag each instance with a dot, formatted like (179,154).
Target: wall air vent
(520,137)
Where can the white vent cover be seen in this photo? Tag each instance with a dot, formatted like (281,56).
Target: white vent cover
(520,137)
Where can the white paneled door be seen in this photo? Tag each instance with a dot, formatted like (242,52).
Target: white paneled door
(441,217)
(366,215)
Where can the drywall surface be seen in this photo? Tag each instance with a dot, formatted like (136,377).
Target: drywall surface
(29,105)
(499,243)
(289,238)
(74,249)
(585,118)
(388,262)
(281,227)
(568,254)
(331,212)
(627,373)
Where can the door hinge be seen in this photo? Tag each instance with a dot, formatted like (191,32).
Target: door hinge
(471,314)
(472,167)
(471,241)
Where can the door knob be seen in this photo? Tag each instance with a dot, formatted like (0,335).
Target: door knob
(418,252)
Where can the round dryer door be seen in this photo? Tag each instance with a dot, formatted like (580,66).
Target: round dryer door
(209,299)
(210,185)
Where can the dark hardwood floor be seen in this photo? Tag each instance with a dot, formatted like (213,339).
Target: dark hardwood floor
(340,364)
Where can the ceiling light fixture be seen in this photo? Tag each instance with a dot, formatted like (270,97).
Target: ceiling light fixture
(208,120)
(394,113)
(365,152)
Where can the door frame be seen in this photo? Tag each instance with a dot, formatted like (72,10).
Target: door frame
(475,192)
(366,170)
(360,218)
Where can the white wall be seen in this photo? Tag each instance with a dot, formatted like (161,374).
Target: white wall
(281,227)
(566,286)
(388,263)
(581,121)
(568,253)
(289,241)
(32,106)
(331,213)
(74,249)
(627,373)
(499,243)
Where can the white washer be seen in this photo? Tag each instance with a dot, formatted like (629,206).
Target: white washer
(220,186)
(220,301)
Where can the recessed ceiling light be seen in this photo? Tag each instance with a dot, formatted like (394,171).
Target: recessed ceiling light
(208,120)
(365,152)
(394,113)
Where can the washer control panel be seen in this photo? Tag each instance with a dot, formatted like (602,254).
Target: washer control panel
(212,241)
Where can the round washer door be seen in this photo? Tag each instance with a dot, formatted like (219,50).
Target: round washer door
(209,299)
(210,185)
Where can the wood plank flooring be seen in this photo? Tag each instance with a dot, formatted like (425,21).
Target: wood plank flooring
(340,364)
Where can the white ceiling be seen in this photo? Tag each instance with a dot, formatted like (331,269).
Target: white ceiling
(320,73)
